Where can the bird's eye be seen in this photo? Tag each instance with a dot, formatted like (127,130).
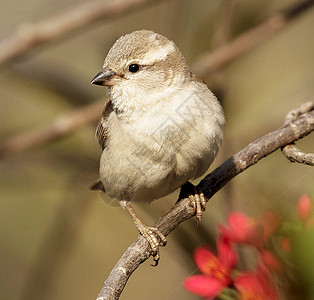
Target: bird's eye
(133,68)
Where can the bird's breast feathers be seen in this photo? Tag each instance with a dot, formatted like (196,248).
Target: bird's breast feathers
(180,134)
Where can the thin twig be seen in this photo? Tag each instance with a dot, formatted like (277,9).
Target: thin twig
(220,58)
(222,33)
(295,113)
(291,151)
(138,252)
(30,36)
(210,62)
(62,125)
(296,155)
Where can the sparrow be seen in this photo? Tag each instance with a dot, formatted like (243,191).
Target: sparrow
(160,127)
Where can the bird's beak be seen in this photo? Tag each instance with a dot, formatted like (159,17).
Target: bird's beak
(106,77)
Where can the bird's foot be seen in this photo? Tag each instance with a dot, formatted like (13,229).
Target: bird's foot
(198,202)
(152,235)
(154,238)
(197,199)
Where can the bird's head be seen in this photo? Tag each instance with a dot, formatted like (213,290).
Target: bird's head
(143,62)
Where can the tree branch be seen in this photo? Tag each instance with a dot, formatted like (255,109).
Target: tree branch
(138,252)
(30,36)
(211,62)
(296,155)
(61,126)
(291,151)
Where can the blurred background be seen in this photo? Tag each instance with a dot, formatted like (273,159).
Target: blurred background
(58,240)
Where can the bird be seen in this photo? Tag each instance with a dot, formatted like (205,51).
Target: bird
(160,127)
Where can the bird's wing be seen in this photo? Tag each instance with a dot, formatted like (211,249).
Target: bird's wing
(101,134)
(101,131)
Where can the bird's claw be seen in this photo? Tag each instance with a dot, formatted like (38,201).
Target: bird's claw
(155,240)
(198,202)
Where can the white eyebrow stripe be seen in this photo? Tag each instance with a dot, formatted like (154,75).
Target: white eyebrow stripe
(158,54)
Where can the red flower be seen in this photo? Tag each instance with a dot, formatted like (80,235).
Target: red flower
(304,208)
(270,261)
(270,221)
(285,244)
(256,286)
(243,229)
(216,270)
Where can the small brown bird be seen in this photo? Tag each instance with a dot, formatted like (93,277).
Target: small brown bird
(161,127)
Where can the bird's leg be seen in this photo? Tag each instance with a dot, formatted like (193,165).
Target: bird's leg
(196,197)
(153,236)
